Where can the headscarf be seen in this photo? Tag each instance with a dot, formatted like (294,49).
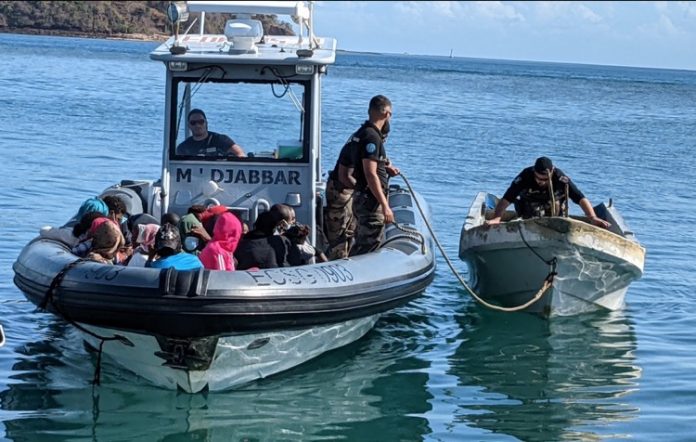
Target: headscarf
(106,241)
(146,236)
(97,223)
(92,205)
(218,253)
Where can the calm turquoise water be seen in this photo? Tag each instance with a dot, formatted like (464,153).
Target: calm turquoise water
(78,115)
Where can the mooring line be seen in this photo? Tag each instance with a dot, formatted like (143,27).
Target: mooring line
(548,281)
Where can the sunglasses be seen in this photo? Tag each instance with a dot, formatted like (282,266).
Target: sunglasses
(196,122)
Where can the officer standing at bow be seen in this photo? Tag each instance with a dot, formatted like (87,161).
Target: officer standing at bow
(339,222)
(372,172)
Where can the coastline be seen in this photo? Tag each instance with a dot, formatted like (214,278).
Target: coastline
(154,37)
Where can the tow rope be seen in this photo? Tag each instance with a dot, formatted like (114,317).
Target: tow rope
(49,298)
(548,281)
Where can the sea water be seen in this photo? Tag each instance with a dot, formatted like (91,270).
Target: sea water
(78,115)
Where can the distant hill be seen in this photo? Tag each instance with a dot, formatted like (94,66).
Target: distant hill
(109,19)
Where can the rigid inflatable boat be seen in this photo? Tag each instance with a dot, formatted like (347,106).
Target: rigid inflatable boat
(213,329)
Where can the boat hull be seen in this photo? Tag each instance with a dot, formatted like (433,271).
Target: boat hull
(225,361)
(192,329)
(509,262)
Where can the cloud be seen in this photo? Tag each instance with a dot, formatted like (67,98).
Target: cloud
(448,9)
(563,14)
(468,11)
(666,27)
(496,10)
(588,14)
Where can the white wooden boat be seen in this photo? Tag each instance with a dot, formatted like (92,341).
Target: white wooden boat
(211,329)
(510,261)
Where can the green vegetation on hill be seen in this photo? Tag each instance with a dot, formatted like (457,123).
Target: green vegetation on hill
(122,19)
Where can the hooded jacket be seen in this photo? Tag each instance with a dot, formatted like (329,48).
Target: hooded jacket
(218,254)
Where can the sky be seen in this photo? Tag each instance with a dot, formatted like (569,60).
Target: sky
(644,34)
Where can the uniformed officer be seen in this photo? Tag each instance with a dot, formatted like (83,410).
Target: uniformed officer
(372,172)
(530,191)
(339,221)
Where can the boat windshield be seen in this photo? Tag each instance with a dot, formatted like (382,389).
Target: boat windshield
(265,120)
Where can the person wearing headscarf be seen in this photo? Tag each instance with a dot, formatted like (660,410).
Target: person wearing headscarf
(107,239)
(145,240)
(84,231)
(92,205)
(218,254)
(209,217)
(67,233)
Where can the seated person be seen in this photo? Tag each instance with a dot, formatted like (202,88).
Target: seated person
(171,218)
(107,242)
(262,248)
(530,191)
(205,143)
(83,232)
(118,214)
(286,215)
(218,254)
(144,242)
(167,251)
(302,252)
(92,205)
(211,215)
(194,237)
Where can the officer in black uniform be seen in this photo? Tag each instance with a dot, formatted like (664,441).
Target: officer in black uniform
(530,192)
(203,142)
(372,172)
(339,222)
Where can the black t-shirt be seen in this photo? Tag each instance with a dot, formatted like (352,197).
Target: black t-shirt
(371,147)
(214,144)
(525,186)
(346,156)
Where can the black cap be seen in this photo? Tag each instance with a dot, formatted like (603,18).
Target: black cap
(543,164)
(168,238)
(196,111)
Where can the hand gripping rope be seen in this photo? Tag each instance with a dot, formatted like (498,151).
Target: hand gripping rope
(548,281)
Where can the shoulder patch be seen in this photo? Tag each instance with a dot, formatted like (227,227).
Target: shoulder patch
(371,148)
(517,179)
(564,179)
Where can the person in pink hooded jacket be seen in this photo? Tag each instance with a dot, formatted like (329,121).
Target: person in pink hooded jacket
(218,253)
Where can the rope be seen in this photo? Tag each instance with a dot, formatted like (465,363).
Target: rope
(50,298)
(412,234)
(549,174)
(548,281)
(551,262)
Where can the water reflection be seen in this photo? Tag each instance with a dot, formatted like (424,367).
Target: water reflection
(354,393)
(536,379)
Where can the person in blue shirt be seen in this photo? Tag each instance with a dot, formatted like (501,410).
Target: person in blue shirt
(168,252)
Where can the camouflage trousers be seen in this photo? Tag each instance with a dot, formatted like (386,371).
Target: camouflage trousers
(339,222)
(370,223)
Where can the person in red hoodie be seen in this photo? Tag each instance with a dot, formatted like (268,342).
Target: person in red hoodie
(218,253)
